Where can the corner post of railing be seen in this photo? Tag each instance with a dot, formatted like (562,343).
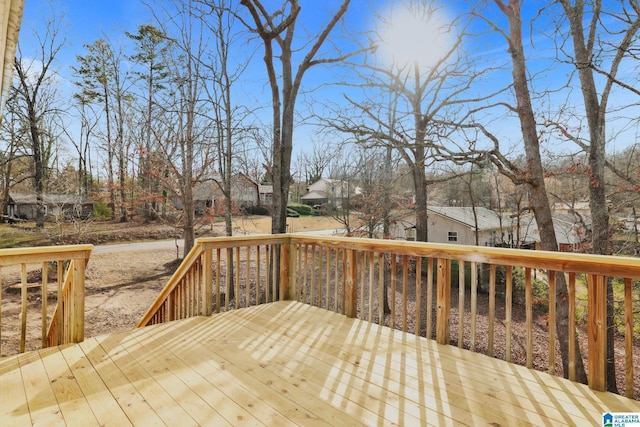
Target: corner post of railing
(284,271)
(293,284)
(77,313)
(443,284)
(351,288)
(597,330)
(207,278)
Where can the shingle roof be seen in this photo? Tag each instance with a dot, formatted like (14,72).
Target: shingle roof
(487,219)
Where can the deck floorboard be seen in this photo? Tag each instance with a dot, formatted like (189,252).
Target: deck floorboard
(284,363)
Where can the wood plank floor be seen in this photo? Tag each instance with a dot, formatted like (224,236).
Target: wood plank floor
(283,364)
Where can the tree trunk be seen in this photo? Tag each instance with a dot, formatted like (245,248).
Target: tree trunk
(595,113)
(535,179)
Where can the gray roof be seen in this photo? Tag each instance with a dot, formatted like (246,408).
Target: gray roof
(51,199)
(487,219)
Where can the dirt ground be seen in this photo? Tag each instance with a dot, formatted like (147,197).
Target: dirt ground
(120,286)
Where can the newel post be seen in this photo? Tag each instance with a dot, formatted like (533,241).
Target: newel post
(597,330)
(285,268)
(443,283)
(351,288)
(77,321)
(207,279)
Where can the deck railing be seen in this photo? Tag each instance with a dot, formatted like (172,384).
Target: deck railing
(28,271)
(500,292)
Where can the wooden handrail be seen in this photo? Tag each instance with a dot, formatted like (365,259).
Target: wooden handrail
(355,276)
(67,323)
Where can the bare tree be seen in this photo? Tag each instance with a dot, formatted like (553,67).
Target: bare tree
(186,153)
(279,27)
(410,104)
(36,91)
(226,67)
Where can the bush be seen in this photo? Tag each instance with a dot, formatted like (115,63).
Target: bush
(101,210)
(291,213)
(255,210)
(302,209)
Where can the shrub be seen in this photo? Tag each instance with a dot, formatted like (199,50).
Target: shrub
(255,210)
(301,209)
(101,210)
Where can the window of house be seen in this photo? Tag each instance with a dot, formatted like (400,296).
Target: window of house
(452,236)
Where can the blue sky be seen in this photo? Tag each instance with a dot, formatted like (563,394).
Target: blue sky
(88,20)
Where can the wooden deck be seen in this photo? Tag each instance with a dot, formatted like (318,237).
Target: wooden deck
(284,363)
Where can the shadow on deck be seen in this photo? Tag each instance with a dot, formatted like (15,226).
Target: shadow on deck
(284,363)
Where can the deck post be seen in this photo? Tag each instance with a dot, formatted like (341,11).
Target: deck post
(351,288)
(443,284)
(293,284)
(207,278)
(597,330)
(284,272)
(77,320)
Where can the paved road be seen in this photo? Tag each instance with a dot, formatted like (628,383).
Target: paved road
(141,246)
(171,244)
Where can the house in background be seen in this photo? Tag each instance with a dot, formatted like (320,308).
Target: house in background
(244,192)
(457,225)
(329,191)
(571,231)
(56,206)
(447,224)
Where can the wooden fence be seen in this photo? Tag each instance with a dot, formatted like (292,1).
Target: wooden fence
(423,288)
(27,271)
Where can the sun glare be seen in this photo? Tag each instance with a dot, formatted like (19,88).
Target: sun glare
(408,38)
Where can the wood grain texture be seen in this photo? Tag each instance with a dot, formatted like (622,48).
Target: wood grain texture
(284,363)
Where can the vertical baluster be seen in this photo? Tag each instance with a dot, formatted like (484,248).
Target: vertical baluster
(335,283)
(405,279)
(418,311)
(275,271)
(492,308)
(328,279)
(508,310)
(381,288)
(320,270)
(528,301)
(237,272)
(392,297)
(363,275)
(248,278)
(229,277)
(305,289)
(572,326)
(474,304)
(218,280)
(461,292)
(45,301)
(62,302)
(1,290)
(258,276)
(313,279)
(23,312)
(429,297)
(300,270)
(552,322)
(628,338)
(267,274)
(371,284)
